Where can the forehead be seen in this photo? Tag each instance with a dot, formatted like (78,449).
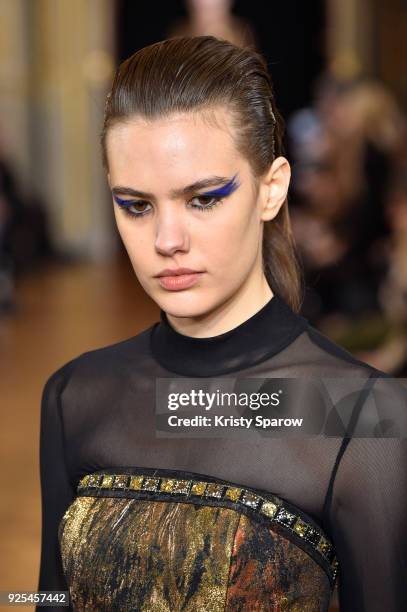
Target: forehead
(180,147)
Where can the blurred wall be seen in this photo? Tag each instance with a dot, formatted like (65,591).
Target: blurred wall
(369,37)
(56,63)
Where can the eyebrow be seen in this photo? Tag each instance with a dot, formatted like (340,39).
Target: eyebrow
(211,181)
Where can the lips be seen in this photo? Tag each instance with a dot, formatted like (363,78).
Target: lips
(176,272)
(177,282)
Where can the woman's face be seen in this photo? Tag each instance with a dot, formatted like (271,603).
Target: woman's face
(162,168)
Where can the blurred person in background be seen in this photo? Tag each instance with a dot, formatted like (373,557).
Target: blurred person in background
(344,151)
(214,17)
(24,235)
(391,354)
(10,212)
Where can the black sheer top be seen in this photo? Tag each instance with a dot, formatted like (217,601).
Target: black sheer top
(98,443)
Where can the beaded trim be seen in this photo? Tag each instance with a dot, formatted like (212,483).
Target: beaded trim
(277,513)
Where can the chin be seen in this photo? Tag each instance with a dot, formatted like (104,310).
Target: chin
(187,303)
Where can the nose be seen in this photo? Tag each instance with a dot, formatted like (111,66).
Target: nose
(171,232)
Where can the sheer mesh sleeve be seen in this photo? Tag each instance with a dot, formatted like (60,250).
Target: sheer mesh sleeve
(56,490)
(367,515)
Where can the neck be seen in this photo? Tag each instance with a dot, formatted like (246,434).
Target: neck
(260,336)
(227,315)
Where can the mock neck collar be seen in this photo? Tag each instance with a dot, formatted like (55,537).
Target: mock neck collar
(264,334)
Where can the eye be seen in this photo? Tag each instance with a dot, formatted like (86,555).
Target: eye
(205,203)
(132,207)
(136,208)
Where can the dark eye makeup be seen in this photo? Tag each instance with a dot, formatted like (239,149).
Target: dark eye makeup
(207,200)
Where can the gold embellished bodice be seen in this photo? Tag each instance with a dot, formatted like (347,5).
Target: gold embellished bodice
(160,540)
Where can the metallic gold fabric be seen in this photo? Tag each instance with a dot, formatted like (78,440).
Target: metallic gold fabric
(166,556)
(297,526)
(268,572)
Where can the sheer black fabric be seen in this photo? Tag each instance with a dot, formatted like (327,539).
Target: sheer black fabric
(98,412)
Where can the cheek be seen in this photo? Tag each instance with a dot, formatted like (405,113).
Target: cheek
(231,238)
(137,243)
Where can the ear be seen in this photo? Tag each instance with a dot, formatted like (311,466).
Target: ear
(274,188)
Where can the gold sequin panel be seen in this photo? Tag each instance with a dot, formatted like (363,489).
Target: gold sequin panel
(124,554)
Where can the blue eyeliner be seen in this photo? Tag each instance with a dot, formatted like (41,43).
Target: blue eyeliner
(222,192)
(123,202)
(215,194)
